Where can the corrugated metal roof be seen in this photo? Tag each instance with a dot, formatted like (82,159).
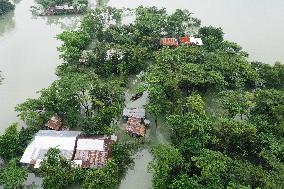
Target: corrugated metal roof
(58,133)
(135,127)
(134,112)
(45,139)
(90,144)
(94,151)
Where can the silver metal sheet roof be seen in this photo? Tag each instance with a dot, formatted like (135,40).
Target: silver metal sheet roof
(63,140)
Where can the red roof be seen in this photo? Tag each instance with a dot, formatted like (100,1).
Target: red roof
(169,42)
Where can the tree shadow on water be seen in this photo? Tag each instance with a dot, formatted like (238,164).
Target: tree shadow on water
(7,23)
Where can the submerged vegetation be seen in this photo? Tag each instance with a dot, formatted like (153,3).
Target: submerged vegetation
(5,6)
(225,113)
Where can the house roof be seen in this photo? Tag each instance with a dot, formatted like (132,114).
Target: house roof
(134,112)
(45,139)
(54,123)
(93,151)
(134,126)
(169,41)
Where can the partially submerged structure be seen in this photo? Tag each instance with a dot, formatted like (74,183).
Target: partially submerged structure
(135,121)
(93,152)
(135,127)
(55,123)
(65,141)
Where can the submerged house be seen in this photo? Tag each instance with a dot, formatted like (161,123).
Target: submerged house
(135,121)
(55,123)
(135,127)
(93,152)
(65,141)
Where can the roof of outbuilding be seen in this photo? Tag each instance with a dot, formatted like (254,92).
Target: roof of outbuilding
(134,112)
(54,123)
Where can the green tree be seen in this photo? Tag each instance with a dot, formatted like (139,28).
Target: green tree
(237,102)
(55,166)
(13,176)
(106,177)
(9,146)
(272,76)
(5,6)
(168,163)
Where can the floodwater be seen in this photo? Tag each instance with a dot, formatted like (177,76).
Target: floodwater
(28,55)
(255,25)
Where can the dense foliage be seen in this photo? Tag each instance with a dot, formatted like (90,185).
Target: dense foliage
(226,116)
(13,175)
(55,166)
(5,6)
(14,142)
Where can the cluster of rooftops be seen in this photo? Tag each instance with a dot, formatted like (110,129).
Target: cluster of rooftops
(186,40)
(87,152)
(82,151)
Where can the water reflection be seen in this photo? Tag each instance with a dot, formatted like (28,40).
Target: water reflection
(7,23)
(101,3)
(17,1)
(64,22)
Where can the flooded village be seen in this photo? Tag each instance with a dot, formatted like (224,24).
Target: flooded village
(139,95)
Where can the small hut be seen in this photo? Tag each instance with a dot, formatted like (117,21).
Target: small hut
(135,127)
(55,123)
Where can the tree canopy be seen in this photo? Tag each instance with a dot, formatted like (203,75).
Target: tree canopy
(13,175)
(5,6)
